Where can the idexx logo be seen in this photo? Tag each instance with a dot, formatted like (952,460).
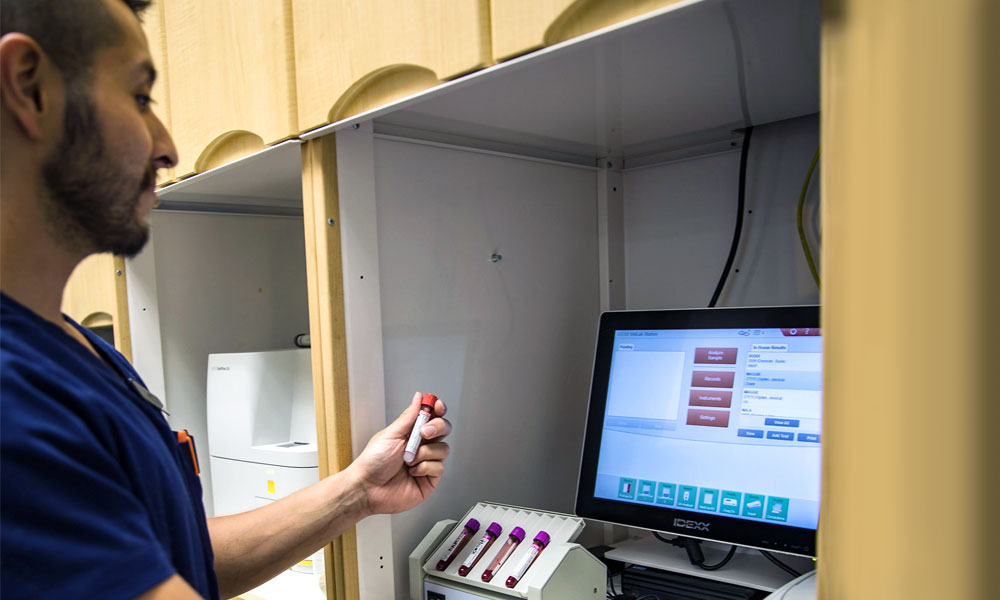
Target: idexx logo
(220,368)
(696,525)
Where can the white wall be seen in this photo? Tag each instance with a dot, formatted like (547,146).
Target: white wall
(225,283)
(679,221)
(507,345)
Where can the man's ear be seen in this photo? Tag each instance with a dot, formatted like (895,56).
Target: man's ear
(22,77)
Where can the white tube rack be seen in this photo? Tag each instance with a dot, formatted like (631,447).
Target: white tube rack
(563,570)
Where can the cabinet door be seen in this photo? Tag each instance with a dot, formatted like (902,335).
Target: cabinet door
(521,26)
(231,78)
(351,56)
(95,297)
(152,25)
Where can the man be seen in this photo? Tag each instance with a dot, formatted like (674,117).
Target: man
(98,498)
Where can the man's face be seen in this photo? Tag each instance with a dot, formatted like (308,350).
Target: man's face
(101,174)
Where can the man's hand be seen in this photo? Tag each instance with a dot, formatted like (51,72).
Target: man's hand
(390,485)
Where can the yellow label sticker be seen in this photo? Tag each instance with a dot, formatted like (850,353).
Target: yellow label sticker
(270,487)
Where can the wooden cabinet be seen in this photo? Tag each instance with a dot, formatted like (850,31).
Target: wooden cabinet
(152,25)
(352,56)
(910,292)
(232,80)
(521,26)
(95,297)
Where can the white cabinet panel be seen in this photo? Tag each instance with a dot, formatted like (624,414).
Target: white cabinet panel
(508,345)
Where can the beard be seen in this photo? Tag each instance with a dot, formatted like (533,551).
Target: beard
(92,201)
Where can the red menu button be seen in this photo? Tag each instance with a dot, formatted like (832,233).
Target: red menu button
(713,379)
(715,356)
(711,398)
(708,418)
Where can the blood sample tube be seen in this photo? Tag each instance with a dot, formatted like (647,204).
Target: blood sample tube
(515,537)
(470,529)
(426,410)
(484,543)
(539,544)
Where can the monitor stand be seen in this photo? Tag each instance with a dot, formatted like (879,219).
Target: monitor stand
(747,568)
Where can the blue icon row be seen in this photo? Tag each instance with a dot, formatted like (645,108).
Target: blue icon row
(704,499)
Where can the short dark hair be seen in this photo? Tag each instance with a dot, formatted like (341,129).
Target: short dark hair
(69,31)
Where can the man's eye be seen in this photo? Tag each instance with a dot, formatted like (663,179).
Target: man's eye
(144,100)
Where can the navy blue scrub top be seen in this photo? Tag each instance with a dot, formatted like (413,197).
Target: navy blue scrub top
(98,498)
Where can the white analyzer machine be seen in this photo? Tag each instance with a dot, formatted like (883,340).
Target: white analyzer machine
(261,428)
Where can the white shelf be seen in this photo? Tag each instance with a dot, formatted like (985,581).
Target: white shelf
(747,567)
(687,75)
(268,182)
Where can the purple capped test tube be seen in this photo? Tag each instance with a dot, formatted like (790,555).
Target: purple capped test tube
(470,529)
(539,544)
(484,543)
(515,538)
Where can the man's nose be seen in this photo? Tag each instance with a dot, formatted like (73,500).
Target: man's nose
(164,152)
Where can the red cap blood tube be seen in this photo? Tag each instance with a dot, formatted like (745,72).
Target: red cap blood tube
(426,410)
(470,529)
(484,543)
(515,537)
(539,544)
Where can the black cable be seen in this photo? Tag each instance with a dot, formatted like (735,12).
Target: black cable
(664,540)
(722,563)
(780,564)
(741,201)
(694,549)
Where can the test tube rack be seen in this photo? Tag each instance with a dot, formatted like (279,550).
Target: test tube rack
(564,570)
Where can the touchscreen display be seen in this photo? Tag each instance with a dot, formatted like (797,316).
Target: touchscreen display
(719,421)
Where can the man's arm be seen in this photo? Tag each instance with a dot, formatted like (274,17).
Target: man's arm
(252,547)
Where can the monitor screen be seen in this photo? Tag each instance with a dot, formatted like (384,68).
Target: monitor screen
(706,423)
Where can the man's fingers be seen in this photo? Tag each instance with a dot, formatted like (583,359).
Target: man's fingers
(428,468)
(432,451)
(430,460)
(436,429)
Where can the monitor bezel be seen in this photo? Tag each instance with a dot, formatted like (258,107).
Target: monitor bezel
(755,534)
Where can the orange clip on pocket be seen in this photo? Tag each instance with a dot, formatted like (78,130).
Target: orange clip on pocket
(183,437)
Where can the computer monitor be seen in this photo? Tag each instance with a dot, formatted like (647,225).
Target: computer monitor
(706,423)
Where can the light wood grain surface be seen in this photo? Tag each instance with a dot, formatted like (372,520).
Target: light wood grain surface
(231,69)
(910,296)
(521,26)
(95,297)
(338,44)
(153,26)
(324,277)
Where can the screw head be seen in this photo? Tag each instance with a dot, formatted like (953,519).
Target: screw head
(118,272)
(356,126)
(330,221)
(495,257)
